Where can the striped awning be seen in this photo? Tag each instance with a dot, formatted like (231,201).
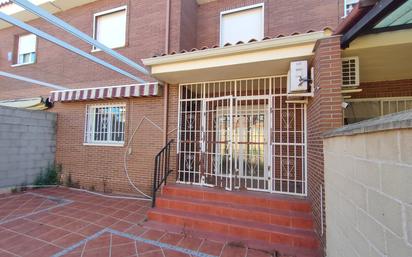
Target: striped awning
(99,93)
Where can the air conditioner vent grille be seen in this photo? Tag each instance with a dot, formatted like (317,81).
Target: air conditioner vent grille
(350,72)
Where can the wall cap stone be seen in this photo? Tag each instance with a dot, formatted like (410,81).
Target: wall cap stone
(400,120)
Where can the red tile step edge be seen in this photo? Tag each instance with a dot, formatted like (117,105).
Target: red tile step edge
(281,249)
(244,229)
(285,218)
(253,199)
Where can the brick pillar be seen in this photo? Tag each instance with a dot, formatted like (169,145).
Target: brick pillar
(324,113)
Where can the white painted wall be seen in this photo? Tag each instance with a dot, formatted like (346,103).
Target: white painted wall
(368,188)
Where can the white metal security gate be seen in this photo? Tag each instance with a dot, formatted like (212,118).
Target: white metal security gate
(242,134)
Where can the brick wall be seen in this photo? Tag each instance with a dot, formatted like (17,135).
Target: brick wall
(368,192)
(281,17)
(324,113)
(27,145)
(385,89)
(101,167)
(191,26)
(145,37)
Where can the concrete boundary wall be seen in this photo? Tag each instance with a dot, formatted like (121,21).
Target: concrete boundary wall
(368,188)
(27,144)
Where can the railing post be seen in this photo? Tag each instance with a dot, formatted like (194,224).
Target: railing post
(154,182)
(161,170)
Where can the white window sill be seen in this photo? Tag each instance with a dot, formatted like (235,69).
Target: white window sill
(22,64)
(105,144)
(95,50)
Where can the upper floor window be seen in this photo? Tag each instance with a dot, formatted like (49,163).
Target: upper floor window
(242,24)
(349,5)
(105,124)
(110,27)
(26,51)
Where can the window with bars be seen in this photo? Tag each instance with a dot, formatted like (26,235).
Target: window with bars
(105,124)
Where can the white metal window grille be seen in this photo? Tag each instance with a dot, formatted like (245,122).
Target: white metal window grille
(368,108)
(110,27)
(105,124)
(26,53)
(350,72)
(242,134)
(349,5)
(242,24)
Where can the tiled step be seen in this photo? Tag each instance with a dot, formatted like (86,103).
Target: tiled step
(251,199)
(291,219)
(245,229)
(281,250)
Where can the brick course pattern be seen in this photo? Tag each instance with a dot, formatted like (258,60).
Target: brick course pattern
(324,113)
(101,167)
(385,89)
(191,25)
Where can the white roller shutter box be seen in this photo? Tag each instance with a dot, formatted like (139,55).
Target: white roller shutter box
(110,29)
(242,25)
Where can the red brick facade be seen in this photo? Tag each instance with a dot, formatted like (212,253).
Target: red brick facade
(324,113)
(101,167)
(378,89)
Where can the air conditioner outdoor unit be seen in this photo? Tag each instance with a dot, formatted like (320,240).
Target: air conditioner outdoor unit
(350,71)
(298,77)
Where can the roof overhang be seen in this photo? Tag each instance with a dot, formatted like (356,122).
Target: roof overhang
(261,58)
(52,6)
(383,56)
(366,23)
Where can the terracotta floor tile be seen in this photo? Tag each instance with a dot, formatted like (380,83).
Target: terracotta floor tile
(25,246)
(102,252)
(90,230)
(46,250)
(153,234)
(256,253)
(6,254)
(102,241)
(54,234)
(171,253)
(191,243)
(119,240)
(143,248)
(171,238)
(68,240)
(121,226)
(231,251)
(136,230)
(211,247)
(123,250)
(158,253)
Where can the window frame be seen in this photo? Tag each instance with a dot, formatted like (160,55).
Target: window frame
(110,11)
(345,4)
(240,9)
(106,142)
(17,51)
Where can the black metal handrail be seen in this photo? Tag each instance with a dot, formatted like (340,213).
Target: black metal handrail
(161,170)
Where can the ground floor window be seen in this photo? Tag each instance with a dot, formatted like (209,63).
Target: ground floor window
(105,124)
(368,108)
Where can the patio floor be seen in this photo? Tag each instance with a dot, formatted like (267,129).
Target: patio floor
(63,222)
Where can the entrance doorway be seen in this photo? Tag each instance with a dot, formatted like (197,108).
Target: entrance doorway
(242,135)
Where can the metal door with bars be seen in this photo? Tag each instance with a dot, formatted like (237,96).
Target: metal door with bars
(242,134)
